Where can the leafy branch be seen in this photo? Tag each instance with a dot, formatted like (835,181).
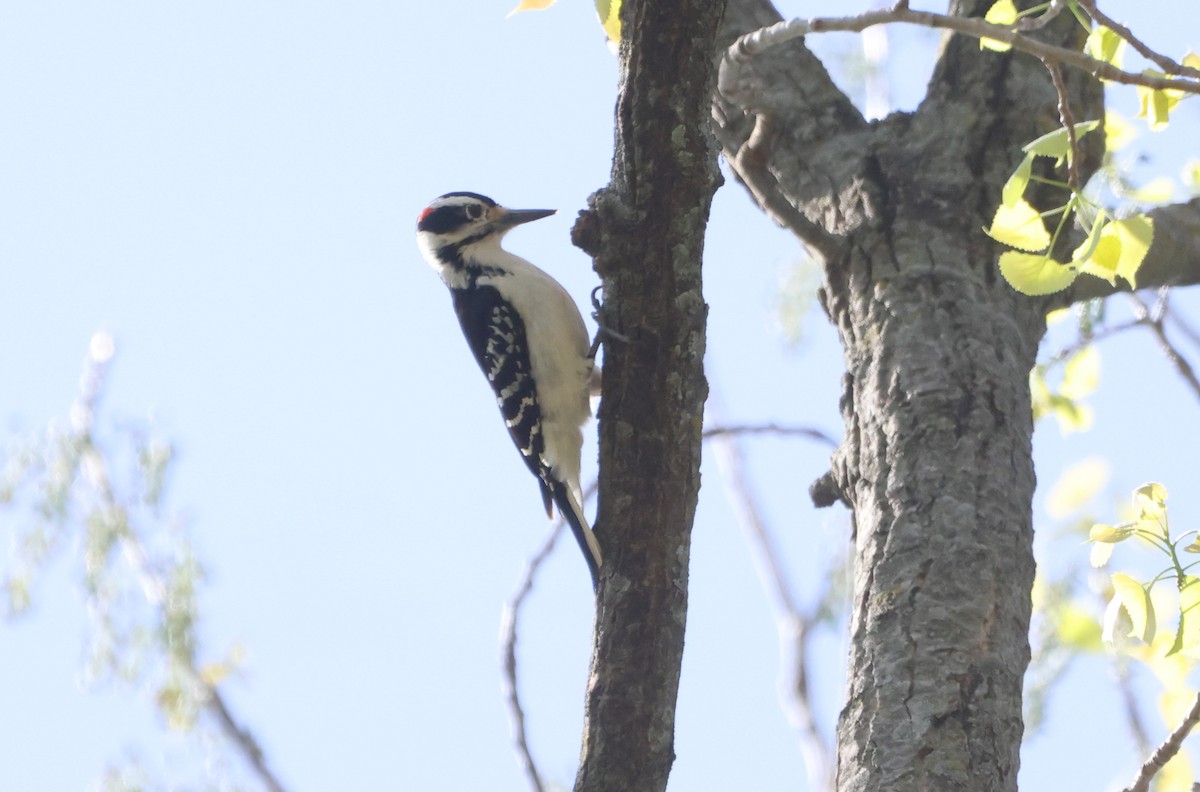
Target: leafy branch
(756,42)
(72,475)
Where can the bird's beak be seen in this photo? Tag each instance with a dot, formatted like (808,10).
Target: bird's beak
(515,217)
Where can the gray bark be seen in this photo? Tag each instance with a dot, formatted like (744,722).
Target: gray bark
(646,232)
(936,463)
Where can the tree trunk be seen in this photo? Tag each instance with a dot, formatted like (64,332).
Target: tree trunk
(936,463)
(646,232)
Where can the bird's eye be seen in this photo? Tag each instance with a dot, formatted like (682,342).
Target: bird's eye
(473,211)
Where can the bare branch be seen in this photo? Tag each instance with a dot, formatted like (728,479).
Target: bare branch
(508,648)
(1154,321)
(770,429)
(755,42)
(792,626)
(1184,327)
(1026,24)
(1068,121)
(1166,751)
(508,657)
(243,739)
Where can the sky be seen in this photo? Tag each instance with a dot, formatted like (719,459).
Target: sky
(230,189)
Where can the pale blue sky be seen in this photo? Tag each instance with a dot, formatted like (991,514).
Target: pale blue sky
(230,188)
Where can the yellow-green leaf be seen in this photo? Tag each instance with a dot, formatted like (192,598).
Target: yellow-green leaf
(1058,315)
(1151,501)
(1110,534)
(1057,144)
(1136,234)
(213,674)
(531,5)
(1076,487)
(1034,273)
(1187,636)
(1077,628)
(1002,12)
(1099,555)
(1081,375)
(1136,602)
(609,12)
(1104,258)
(1194,545)
(1019,225)
(1117,131)
(1085,250)
(1104,44)
(1072,416)
(1155,105)
(1191,60)
(1157,190)
(1191,175)
(1014,188)
(1177,775)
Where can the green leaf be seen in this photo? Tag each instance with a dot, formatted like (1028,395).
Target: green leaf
(609,12)
(1002,12)
(1151,501)
(1014,188)
(1110,534)
(1019,225)
(1057,144)
(1117,131)
(1191,175)
(1136,234)
(1135,601)
(1077,628)
(1104,44)
(1072,416)
(1157,190)
(1082,253)
(1104,259)
(531,5)
(1187,636)
(1099,555)
(1081,375)
(1035,273)
(1077,486)
(1155,105)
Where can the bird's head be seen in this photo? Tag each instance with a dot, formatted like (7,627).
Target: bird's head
(459,219)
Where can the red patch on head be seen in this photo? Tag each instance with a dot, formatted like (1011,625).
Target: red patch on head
(424,213)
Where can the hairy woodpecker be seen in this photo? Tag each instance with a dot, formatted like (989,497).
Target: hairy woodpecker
(528,337)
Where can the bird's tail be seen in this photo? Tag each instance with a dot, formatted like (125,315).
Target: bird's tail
(572,511)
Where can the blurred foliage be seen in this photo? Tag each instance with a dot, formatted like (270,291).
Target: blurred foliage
(89,490)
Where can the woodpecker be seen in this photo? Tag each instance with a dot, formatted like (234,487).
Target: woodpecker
(529,339)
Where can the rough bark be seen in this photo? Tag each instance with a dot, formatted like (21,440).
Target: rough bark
(936,463)
(646,232)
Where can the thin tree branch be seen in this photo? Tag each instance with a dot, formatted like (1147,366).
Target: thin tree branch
(154,587)
(508,648)
(1094,337)
(508,657)
(1166,752)
(1154,321)
(772,428)
(754,43)
(242,738)
(1183,326)
(792,625)
(1161,61)
(1068,121)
